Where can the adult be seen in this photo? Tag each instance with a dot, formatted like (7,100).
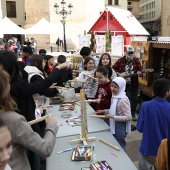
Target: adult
(85,52)
(17,43)
(129,67)
(27,42)
(23,137)
(34,46)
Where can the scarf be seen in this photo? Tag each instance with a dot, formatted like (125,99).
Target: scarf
(114,102)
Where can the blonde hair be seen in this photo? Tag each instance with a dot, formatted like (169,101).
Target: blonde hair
(6,101)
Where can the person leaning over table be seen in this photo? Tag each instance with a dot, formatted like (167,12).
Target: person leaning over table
(23,137)
(22,91)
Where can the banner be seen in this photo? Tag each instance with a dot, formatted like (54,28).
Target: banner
(117,45)
(83,41)
(100,43)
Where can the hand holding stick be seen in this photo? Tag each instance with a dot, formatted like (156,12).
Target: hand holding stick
(40,119)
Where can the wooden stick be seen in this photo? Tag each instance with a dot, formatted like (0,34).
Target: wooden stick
(39,120)
(109,144)
(47,106)
(98,116)
(76,81)
(90,100)
(91,77)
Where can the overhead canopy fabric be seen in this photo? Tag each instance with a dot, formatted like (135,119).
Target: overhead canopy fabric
(9,27)
(128,21)
(43,27)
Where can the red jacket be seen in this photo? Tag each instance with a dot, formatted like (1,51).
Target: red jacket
(104,93)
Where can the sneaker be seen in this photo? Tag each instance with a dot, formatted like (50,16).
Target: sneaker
(134,118)
(133,127)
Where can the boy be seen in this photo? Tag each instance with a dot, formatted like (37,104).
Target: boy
(154,123)
(85,52)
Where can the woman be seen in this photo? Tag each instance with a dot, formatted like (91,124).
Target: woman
(49,66)
(35,74)
(5,146)
(22,134)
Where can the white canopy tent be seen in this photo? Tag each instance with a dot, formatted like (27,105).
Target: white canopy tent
(43,27)
(9,27)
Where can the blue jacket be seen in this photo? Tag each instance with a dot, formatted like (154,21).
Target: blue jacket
(154,123)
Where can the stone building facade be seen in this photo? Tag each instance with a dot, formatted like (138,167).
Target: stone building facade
(165,18)
(83,16)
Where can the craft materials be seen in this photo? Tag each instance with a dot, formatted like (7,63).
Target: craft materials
(67,150)
(98,116)
(66,106)
(93,146)
(102,165)
(82,153)
(40,119)
(115,155)
(109,144)
(66,114)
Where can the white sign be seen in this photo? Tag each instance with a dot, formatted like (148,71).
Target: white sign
(83,41)
(100,43)
(139,38)
(163,38)
(117,45)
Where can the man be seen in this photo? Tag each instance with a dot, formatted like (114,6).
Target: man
(85,52)
(129,67)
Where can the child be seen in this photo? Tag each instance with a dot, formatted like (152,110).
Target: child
(90,83)
(66,73)
(119,113)
(154,123)
(5,146)
(105,60)
(49,66)
(104,94)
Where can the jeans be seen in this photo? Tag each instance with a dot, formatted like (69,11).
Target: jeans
(146,163)
(120,134)
(132,94)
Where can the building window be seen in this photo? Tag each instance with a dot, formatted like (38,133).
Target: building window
(109,2)
(104,17)
(129,3)
(111,17)
(130,9)
(11,9)
(116,2)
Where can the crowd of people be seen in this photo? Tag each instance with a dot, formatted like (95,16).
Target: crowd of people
(28,84)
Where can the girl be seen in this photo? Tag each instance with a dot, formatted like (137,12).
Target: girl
(49,66)
(22,134)
(90,83)
(104,94)
(105,60)
(5,146)
(119,113)
(36,73)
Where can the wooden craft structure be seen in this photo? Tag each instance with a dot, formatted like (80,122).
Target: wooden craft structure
(84,128)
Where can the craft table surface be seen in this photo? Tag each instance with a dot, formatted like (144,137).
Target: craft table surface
(94,124)
(103,152)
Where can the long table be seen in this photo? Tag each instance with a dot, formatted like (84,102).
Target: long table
(94,124)
(103,152)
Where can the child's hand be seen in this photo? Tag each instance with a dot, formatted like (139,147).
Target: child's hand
(100,112)
(109,116)
(98,100)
